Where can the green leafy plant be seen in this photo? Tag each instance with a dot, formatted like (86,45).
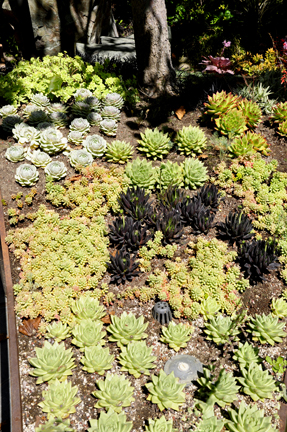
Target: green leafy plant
(160,425)
(246,354)
(170,174)
(56,170)
(88,333)
(80,158)
(37,116)
(109,127)
(219,103)
(15,153)
(176,335)
(220,329)
(110,421)
(241,147)
(251,111)
(136,358)
(96,145)
(58,331)
(279,307)
(190,140)
(279,113)
(279,365)
(26,175)
(9,122)
(282,128)
(52,141)
(194,173)
(118,152)
(258,384)
(210,424)
(259,94)
(209,307)
(87,307)
(141,173)
(165,391)
(127,328)
(154,144)
(232,124)
(80,109)
(38,158)
(81,125)
(59,119)
(266,329)
(248,418)
(97,359)
(55,425)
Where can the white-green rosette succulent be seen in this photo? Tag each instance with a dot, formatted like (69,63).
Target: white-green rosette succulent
(114,99)
(136,358)
(110,422)
(55,425)
(97,359)
(266,329)
(81,125)
(250,419)
(28,109)
(38,116)
(7,110)
(165,391)
(127,328)
(246,354)
(191,140)
(58,331)
(24,133)
(176,335)
(93,102)
(52,361)
(40,100)
(56,170)
(15,153)
(59,119)
(109,127)
(209,307)
(82,94)
(141,173)
(160,425)
(38,158)
(57,107)
(194,173)
(80,109)
(26,175)
(88,333)
(94,118)
(220,329)
(80,158)
(52,141)
(60,399)
(111,112)
(76,137)
(96,145)
(9,122)
(87,307)
(114,392)
(170,174)
(118,152)
(258,384)
(279,307)
(155,144)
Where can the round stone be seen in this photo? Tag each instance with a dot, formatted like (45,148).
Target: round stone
(184,367)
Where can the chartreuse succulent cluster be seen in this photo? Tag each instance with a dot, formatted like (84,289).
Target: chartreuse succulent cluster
(88,333)
(176,335)
(87,307)
(190,140)
(266,329)
(160,425)
(118,152)
(279,116)
(127,328)
(248,418)
(154,143)
(165,391)
(58,331)
(110,421)
(220,329)
(246,354)
(97,359)
(256,383)
(60,399)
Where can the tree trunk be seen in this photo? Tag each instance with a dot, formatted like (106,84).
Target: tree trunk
(156,72)
(104,24)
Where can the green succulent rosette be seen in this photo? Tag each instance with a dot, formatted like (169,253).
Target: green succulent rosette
(109,127)
(194,173)
(209,307)
(55,425)
(170,174)
(40,100)
(81,125)
(160,425)
(119,152)
(114,99)
(88,333)
(26,175)
(15,153)
(52,141)
(38,158)
(258,384)
(8,110)
(165,391)
(97,359)
(58,331)
(176,335)
(136,358)
(109,422)
(249,418)
(141,173)
(56,170)
(282,128)
(251,112)
(266,329)
(190,140)
(110,112)
(220,329)
(219,103)
(87,307)
(154,144)
(127,328)
(232,123)
(246,354)
(279,113)
(80,158)
(210,424)
(96,145)
(279,307)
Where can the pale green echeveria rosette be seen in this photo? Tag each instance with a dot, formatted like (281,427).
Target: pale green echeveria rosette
(26,175)
(82,94)
(127,328)
(170,174)
(155,144)
(52,361)
(110,422)
(55,425)
(40,100)
(97,359)
(136,358)
(160,425)
(220,329)
(88,333)
(249,418)
(58,331)
(52,141)
(9,122)
(7,110)
(59,119)
(165,391)
(96,145)
(118,152)
(80,158)
(210,424)
(194,173)
(115,392)
(191,140)
(60,399)
(28,109)
(176,335)
(110,113)
(258,384)
(279,307)
(87,307)
(80,125)
(56,170)
(114,99)
(57,107)
(23,133)
(76,137)
(141,173)
(15,153)
(94,118)
(246,354)
(209,307)
(38,158)
(109,127)
(266,329)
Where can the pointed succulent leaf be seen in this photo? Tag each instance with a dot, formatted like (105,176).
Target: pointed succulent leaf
(88,333)
(249,418)
(251,112)
(279,307)
(97,359)
(210,424)
(266,329)
(87,307)
(127,328)
(160,425)
(194,173)
(170,174)
(209,307)
(154,144)
(279,113)
(190,140)
(141,173)
(219,103)
(60,399)
(58,331)
(258,384)
(55,425)
(119,152)
(246,354)
(165,391)
(220,329)
(136,358)
(109,422)
(176,335)
(232,123)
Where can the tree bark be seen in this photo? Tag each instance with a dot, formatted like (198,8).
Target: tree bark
(104,22)
(156,72)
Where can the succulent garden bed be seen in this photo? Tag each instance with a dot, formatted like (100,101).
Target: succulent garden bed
(91,254)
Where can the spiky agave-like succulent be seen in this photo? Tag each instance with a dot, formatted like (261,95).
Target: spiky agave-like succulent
(190,140)
(246,354)
(7,110)
(282,128)
(86,307)
(80,109)
(94,118)
(170,174)
(266,329)
(241,147)
(38,158)
(189,208)
(202,221)
(56,170)
(55,425)
(37,116)
(258,384)
(219,103)
(141,173)
(109,127)
(82,94)
(110,421)
(176,335)
(232,124)
(128,234)
(76,137)
(154,144)
(134,203)
(52,141)
(81,125)
(60,399)
(119,152)
(59,119)
(169,223)
(236,228)
(26,175)
(40,100)
(248,418)
(114,99)
(136,358)
(122,267)
(9,122)
(93,103)
(220,329)
(96,145)
(110,112)
(194,173)
(115,392)
(127,328)
(15,153)
(80,158)
(165,391)
(251,112)
(160,425)
(88,333)
(97,359)
(279,307)
(279,113)
(58,331)
(172,197)
(52,361)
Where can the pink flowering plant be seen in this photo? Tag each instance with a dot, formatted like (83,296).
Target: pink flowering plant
(220,65)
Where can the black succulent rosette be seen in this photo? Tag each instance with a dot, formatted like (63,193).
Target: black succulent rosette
(169,223)
(190,208)
(122,267)
(135,203)
(128,234)
(236,228)
(210,197)
(172,197)
(202,222)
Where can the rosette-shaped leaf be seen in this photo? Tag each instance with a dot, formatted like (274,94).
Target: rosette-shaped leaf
(58,331)
(279,307)
(114,99)
(38,158)
(194,173)
(258,384)
(190,140)
(258,142)
(96,145)
(119,152)
(57,107)
(160,425)
(141,173)
(109,422)
(165,391)
(76,137)
(80,158)
(169,223)
(266,329)
(97,359)
(52,141)
(26,175)
(209,307)
(56,170)
(241,146)
(170,174)
(236,228)
(122,267)
(81,109)
(219,103)
(60,399)
(80,125)
(55,425)
(176,335)
(155,144)
(82,94)
(25,134)
(282,129)
(115,392)
(40,100)
(279,113)
(88,333)
(232,124)
(29,109)
(52,361)
(127,328)
(110,112)
(246,354)
(87,307)
(93,102)
(59,119)
(109,127)
(15,153)
(9,122)
(37,116)
(8,110)
(94,118)
(249,418)
(136,358)
(251,112)
(126,233)
(220,329)
(210,424)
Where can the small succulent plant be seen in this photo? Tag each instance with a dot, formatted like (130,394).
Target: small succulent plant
(38,158)
(52,362)
(82,94)
(219,103)
(40,100)
(122,267)
(58,331)
(97,359)
(76,137)
(80,109)
(81,125)
(114,99)
(56,170)
(282,128)
(52,141)
(251,112)
(176,335)
(190,140)
(109,127)
(278,365)
(172,197)
(110,113)
(94,118)
(169,223)
(135,203)
(209,307)
(210,424)
(59,119)
(9,122)
(165,391)
(119,152)
(232,124)
(37,116)
(210,197)
(202,222)
(8,110)
(258,384)
(115,392)
(88,333)
(55,425)
(24,133)
(87,307)
(279,307)
(220,329)
(236,228)
(45,125)
(160,425)
(26,175)
(141,173)
(57,107)
(80,158)
(93,102)
(154,144)
(60,399)
(246,354)
(136,358)
(248,418)
(190,208)
(127,328)
(128,234)
(15,153)
(96,145)
(279,113)
(241,147)
(194,173)
(266,329)
(170,174)
(28,109)
(110,421)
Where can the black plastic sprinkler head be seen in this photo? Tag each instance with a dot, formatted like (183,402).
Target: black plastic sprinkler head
(162,313)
